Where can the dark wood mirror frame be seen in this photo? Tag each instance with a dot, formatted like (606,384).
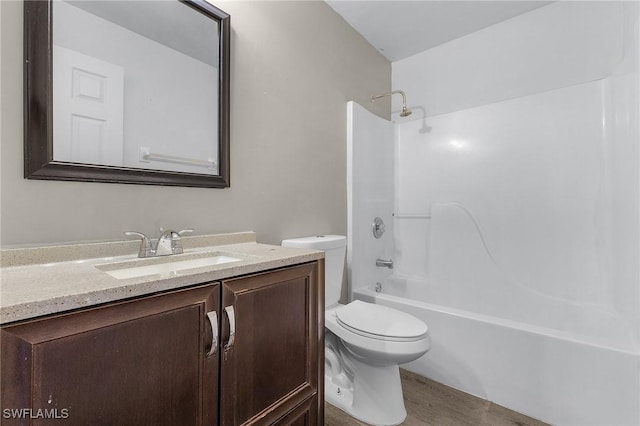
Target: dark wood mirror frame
(38,110)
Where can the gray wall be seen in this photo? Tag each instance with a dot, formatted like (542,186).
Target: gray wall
(294,66)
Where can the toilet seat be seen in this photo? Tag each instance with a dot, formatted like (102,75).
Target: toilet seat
(380,322)
(376,349)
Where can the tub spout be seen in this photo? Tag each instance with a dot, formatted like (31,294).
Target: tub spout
(385,263)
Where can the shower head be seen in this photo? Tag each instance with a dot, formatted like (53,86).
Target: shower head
(405,111)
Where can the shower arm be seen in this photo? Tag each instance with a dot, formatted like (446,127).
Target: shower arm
(404,97)
(405,111)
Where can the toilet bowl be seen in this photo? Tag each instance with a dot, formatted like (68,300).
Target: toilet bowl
(366,381)
(364,343)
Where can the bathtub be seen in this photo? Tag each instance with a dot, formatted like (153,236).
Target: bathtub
(558,377)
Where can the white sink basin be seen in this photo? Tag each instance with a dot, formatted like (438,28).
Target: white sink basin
(163,266)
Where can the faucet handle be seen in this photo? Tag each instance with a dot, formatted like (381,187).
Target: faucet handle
(169,242)
(175,244)
(146,249)
(145,240)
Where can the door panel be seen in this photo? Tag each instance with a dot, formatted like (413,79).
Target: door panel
(89,114)
(125,373)
(133,363)
(303,415)
(272,366)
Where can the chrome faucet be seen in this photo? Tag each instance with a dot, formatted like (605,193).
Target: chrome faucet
(385,263)
(169,242)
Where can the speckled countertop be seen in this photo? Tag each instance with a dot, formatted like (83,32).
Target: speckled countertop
(46,280)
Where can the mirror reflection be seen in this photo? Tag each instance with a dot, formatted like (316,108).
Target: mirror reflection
(135,85)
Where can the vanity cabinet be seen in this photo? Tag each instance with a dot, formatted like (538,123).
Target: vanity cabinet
(156,360)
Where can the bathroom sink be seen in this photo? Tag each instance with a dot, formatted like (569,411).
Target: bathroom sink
(167,266)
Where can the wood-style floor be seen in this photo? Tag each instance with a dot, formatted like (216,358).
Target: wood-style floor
(434,404)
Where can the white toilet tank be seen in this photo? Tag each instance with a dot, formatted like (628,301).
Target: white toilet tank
(334,247)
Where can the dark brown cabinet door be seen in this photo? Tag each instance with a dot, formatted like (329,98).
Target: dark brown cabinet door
(272,364)
(141,362)
(306,414)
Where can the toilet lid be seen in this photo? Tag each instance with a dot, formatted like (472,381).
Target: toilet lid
(380,321)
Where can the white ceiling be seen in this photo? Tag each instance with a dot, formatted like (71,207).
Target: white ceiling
(171,23)
(400,29)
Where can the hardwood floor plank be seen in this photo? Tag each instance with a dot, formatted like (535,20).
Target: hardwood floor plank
(431,403)
(336,417)
(501,416)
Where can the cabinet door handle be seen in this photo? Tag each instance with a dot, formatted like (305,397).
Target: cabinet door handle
(213,320)
(232,325)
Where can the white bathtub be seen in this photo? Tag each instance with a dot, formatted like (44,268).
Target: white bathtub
(553,376)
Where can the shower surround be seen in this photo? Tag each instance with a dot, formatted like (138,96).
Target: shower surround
(513,218)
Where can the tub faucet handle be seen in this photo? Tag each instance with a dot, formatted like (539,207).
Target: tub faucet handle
(378,227)
(385,263)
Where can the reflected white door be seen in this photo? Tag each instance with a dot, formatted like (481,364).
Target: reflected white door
(88,96)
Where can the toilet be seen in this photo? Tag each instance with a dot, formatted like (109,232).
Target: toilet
(364,343)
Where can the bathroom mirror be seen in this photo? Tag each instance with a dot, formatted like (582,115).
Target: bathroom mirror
(127,92)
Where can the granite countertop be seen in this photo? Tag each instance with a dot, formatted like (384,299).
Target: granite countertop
(46,280)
